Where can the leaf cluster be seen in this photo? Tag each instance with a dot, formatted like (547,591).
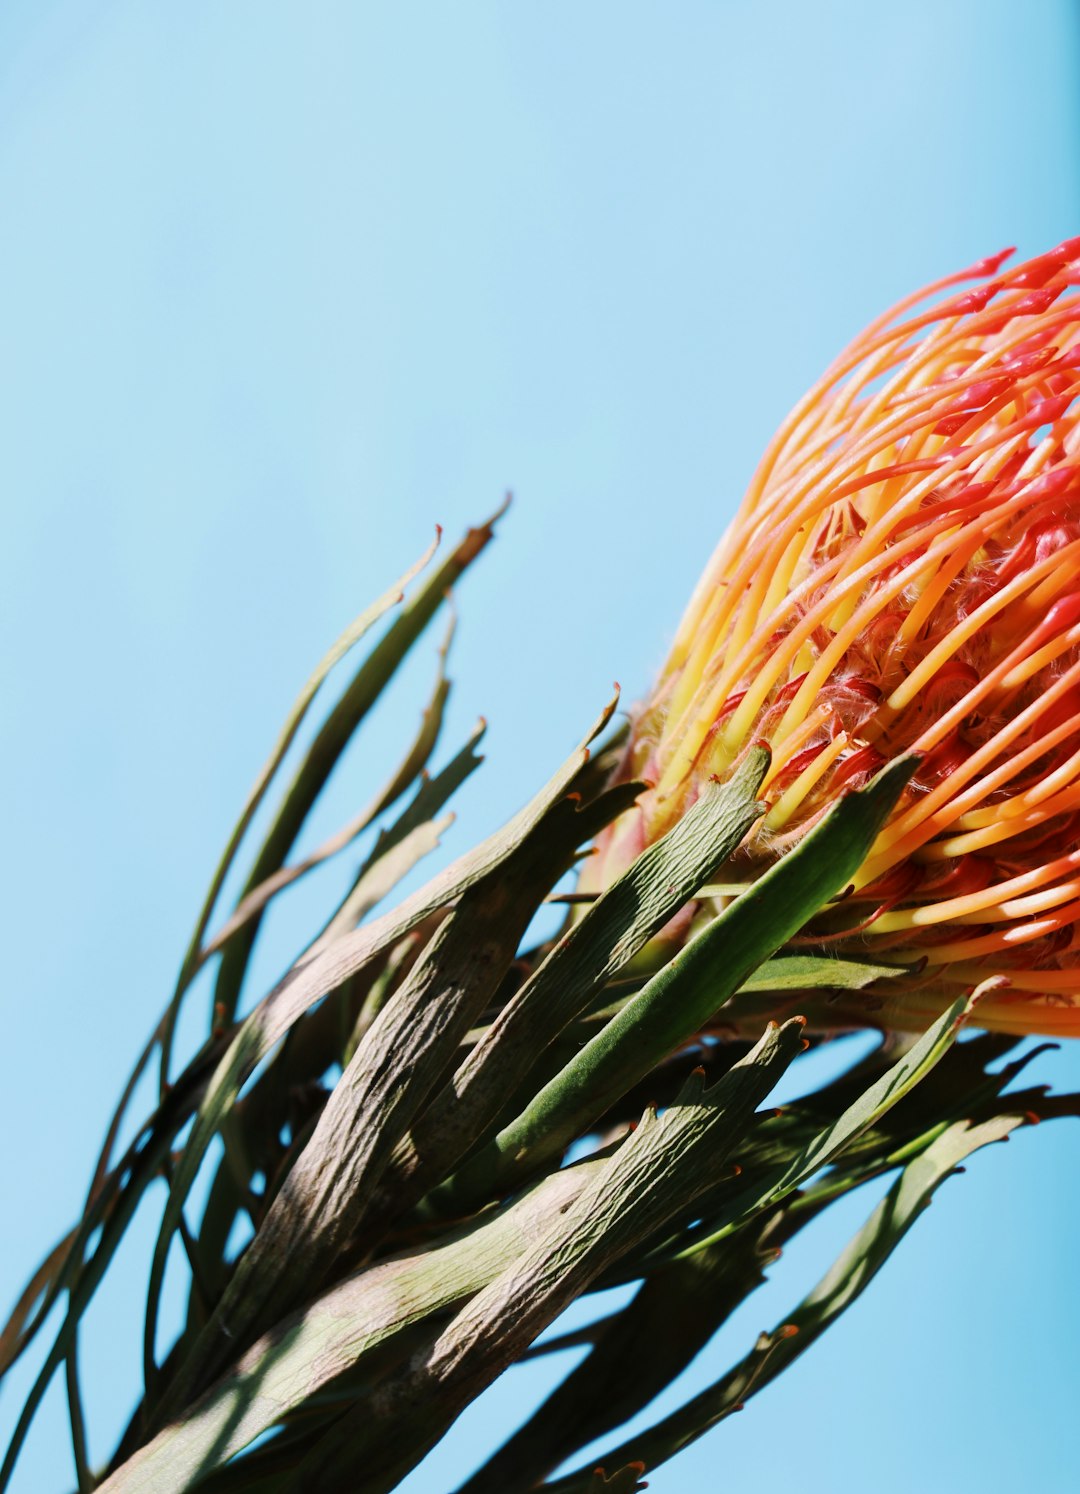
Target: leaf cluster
(514,1126)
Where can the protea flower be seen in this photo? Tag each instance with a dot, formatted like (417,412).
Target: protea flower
(438,1129)
(903,575)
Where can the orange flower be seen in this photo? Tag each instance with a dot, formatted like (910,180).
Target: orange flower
(904,575)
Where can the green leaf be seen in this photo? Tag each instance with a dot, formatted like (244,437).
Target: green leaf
(313,1346)
(816,972)
(113,1207)
(323,972)
(410,1046)
(331,740)
(23,1320)
(371,883)
(616,927)
(838,1289)
(685,995)
(351,636)
(635,1355)
(379,878)
(830,1142)
(656,1172)
(412,765)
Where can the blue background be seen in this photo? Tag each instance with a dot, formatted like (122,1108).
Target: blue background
(284,285)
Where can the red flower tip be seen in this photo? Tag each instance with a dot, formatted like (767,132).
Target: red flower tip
(988,266)
(1020,364)
(970,301)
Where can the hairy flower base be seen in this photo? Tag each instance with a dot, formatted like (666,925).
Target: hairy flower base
(903,575)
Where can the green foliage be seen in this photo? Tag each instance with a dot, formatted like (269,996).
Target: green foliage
(416,1225)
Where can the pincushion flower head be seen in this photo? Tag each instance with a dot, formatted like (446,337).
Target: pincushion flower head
(903,575)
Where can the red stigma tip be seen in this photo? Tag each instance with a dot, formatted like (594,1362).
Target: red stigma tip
(1032,304)
(971,301)
(980,394)
(1021,363)
(951,424)
(1044,412)
(991,264)
(1065,613)
(1036,301)
(1038,271)
(1051,484)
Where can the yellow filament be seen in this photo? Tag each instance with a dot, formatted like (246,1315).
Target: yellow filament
(938,656)
(790,800)
(988,903)
(1020,804)
(1026,907)
(1022,980)
(1006,829)
(1040,659)
(783,755)
(935,589)
(967,949)
(789,508)
(973,819)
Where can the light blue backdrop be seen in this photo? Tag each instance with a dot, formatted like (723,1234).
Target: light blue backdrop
(284,284)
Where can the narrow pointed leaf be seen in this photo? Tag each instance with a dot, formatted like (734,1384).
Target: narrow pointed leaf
(409,1047)
(655,1173)
(817,972)
(615,928)
(351,636)
(838,1289)
(866,1111)
(333,736)
(685,995)
(316,1344)
(322,973)
(413,763)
